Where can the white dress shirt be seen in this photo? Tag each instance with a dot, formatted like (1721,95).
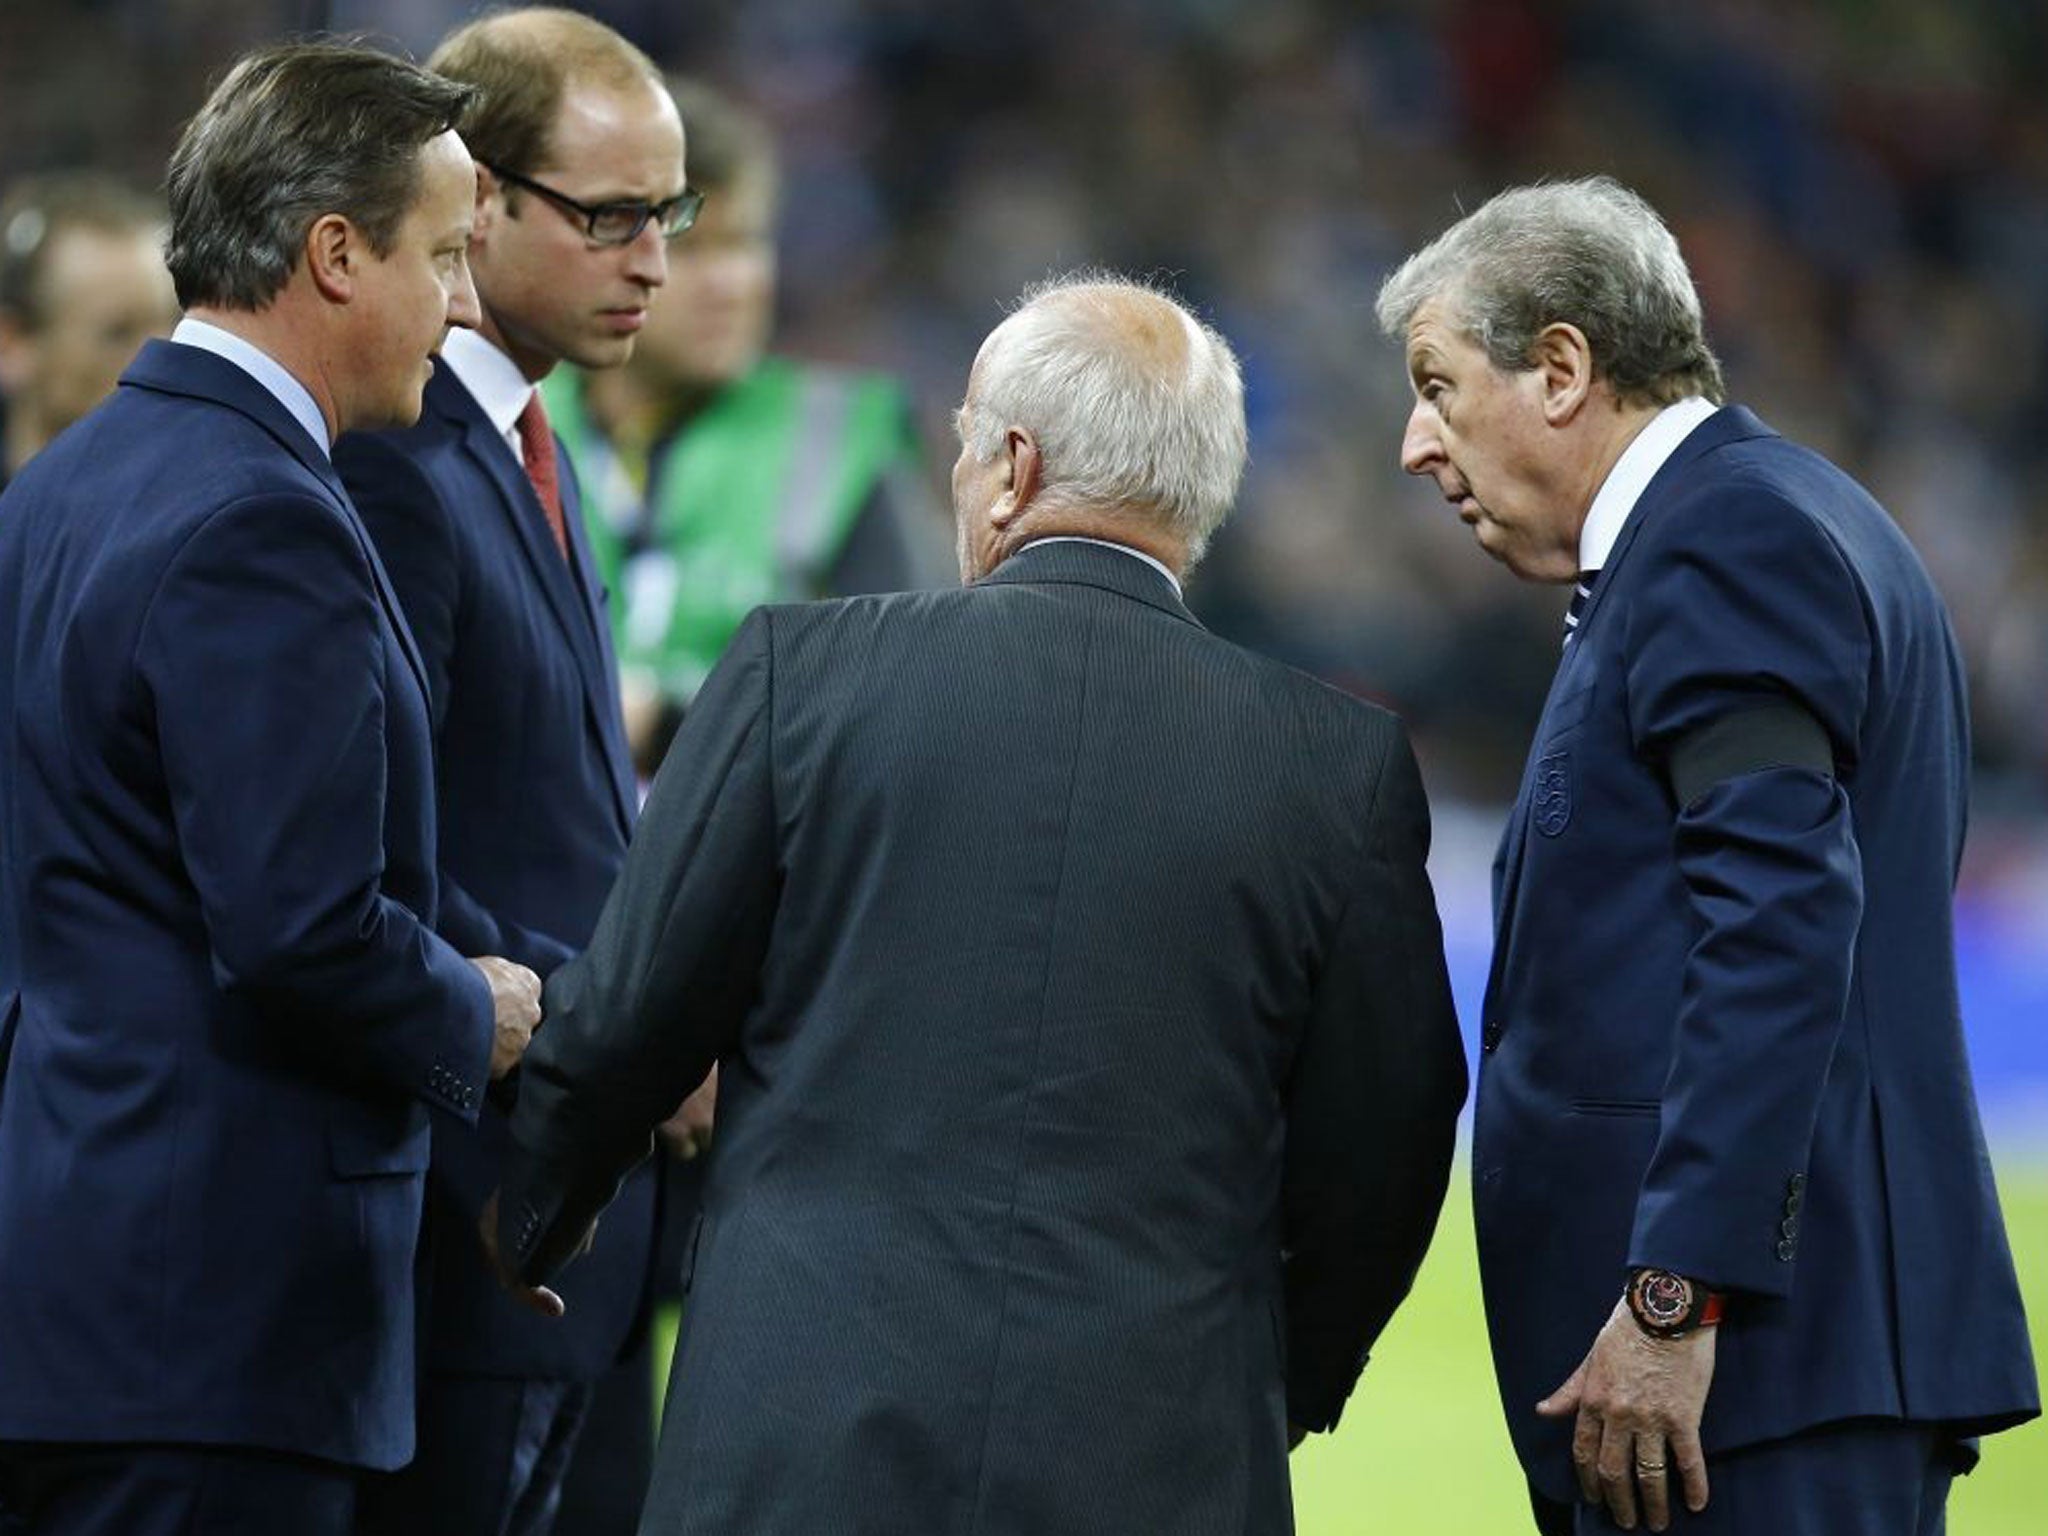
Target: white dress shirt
(264,369)
(1632,474)
(493,380)
(1136,554)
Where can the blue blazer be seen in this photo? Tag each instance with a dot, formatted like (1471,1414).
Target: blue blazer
(537,800)
(1723,1038)
(216,882)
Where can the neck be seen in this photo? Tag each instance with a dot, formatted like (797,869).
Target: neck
(1132,527)
(1611,432)
(278,334)
(532,366)
(628,401)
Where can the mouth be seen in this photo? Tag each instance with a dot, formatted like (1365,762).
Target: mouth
(624,322)
(1469,510)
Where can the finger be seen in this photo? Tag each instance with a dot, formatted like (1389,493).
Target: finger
(1586,1454)
(1652,1481)
(540,1299)
(1689,1458)
(1565,1400)
(1617,1475)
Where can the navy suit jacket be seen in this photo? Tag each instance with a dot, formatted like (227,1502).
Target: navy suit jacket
(216,880)
(1722,1038)
(537,800)
(1088,1070)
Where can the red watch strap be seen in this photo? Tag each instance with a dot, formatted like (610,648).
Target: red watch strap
(1710,1309)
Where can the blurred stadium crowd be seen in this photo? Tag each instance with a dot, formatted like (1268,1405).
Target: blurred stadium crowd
(1861,185)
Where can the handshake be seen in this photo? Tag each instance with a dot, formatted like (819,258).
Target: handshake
(515,1010)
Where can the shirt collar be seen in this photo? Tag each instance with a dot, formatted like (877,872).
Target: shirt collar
(492,379)
(1136,554)
(264,369)
(1632,474)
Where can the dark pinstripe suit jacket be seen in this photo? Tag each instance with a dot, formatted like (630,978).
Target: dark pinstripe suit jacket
(1088,1064)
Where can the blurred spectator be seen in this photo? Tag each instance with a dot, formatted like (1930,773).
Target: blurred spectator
(82,287)
(716,476)
(1865,189)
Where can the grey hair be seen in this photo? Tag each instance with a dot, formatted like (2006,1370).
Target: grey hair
(296,131)
(1135,407)
(1588,253)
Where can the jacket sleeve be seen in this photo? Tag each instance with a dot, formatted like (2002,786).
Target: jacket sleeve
(264,655)
(414,532)
(1372,1107)
(636,1021)
(1750,601)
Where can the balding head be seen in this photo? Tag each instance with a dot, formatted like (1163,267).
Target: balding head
(1134,407)
(523,62)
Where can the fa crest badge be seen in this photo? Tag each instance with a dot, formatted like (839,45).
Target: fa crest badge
(1553,793)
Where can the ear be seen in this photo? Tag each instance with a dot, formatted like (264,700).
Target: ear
(1564,360)
(490,203)
(335,251)
(1024,473)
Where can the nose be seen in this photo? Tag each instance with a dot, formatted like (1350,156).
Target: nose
(1421,448)
(647,256)
(463,307)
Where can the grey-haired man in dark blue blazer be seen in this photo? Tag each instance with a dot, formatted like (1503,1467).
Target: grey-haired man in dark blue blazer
(1743,1261)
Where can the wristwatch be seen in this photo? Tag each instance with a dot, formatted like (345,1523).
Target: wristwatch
(1668,1306)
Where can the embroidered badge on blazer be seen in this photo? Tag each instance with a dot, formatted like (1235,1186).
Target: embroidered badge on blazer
(1553,796)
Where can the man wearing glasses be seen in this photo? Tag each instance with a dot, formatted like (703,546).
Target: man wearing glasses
(476,513)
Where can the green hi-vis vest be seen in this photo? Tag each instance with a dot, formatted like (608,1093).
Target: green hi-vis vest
(751,502)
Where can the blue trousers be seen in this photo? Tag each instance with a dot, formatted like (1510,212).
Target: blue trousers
(492,1452)
(1866,1477)
(171,1490)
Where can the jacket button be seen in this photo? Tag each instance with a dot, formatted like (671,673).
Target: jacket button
(1789,1228)
(1796,1185)
(1786,1249)
(1792,1203)
(1489,1037)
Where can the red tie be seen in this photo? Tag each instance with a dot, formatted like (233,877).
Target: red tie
(537,453)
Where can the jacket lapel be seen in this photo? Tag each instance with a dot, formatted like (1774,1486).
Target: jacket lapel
(565,585)
(1730,424)
(600,681)
(173,368)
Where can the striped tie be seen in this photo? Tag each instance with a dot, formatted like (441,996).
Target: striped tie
(1581,590)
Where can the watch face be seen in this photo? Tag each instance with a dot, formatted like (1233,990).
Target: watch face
(1663,1300)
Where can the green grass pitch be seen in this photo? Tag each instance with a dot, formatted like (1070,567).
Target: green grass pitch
(1423,1451)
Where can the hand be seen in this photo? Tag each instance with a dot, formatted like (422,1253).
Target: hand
(1638,1401)
(515,1009)
(687,1132)
(538,1297)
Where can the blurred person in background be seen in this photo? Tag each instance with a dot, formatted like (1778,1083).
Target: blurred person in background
(1721,1041)
(1089,1070)
(476,514)
(224,1013)
(82,286)
(718,476)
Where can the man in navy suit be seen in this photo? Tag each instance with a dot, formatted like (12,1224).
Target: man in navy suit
(475,512)
(1088,1074)
(1737,1228)
(226,1014)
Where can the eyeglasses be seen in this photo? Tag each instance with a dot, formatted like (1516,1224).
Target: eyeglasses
(615,223)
